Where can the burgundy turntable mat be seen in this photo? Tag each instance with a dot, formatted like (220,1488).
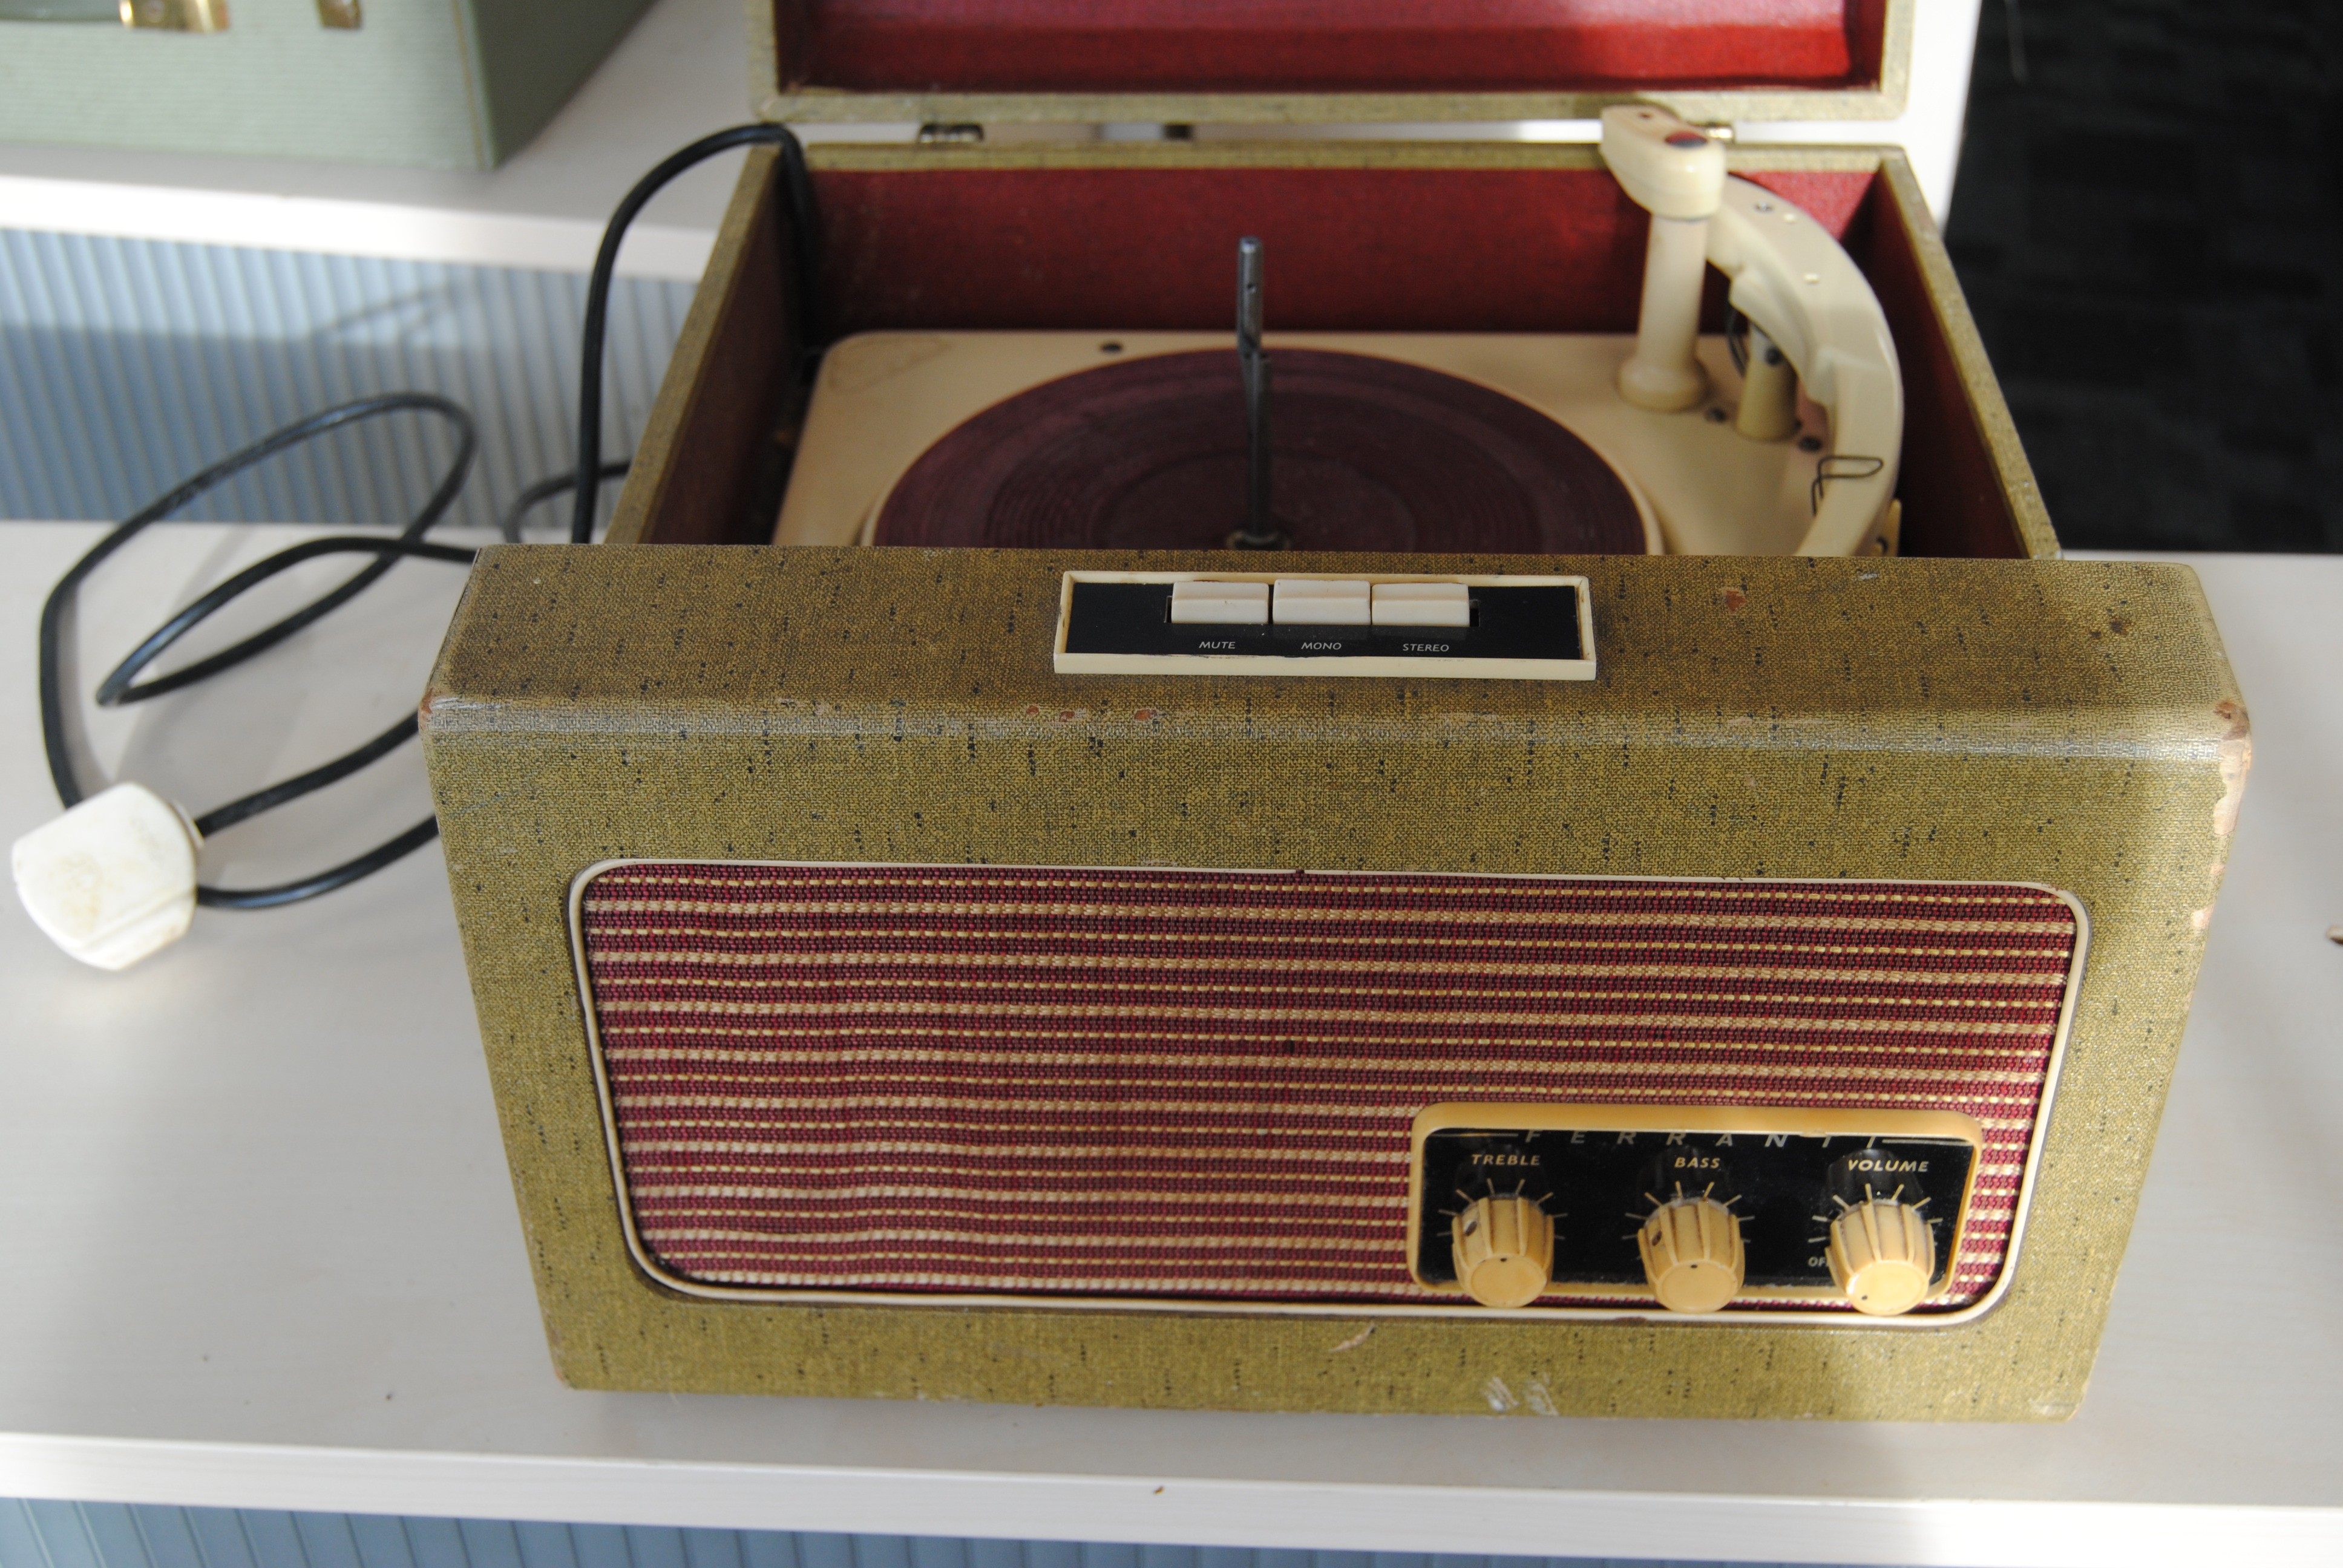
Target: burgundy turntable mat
(1164,1083)
(1370,455)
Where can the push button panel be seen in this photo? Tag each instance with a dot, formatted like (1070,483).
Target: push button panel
(1697,1210)
(1169,623)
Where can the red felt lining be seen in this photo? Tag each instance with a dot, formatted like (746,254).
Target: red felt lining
(1327,45)
(1383,250)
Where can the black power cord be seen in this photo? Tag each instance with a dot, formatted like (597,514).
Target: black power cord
(547,489)
(123,686)
(805,244)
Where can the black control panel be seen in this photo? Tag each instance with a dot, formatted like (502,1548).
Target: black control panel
(1599,1185)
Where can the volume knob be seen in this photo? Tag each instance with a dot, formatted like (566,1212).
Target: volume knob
(1883,1255)
(1692,1254)
(1504,1250)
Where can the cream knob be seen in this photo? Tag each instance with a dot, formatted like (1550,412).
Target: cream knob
(1504,1250)
(1883,1255)
(1692,1254)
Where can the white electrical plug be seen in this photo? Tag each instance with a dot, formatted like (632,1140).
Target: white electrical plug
(112,880)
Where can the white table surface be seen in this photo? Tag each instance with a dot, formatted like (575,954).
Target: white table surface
(257,1246)
(682,72)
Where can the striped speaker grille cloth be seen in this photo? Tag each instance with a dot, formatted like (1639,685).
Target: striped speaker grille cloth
(1200,1084)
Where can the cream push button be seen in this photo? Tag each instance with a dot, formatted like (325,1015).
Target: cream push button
(1321,601)
(1220,604)
(1422,603)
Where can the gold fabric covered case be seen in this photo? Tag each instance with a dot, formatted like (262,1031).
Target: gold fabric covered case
(2066,726)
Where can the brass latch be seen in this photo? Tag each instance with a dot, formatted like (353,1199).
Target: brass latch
(176,15)
(198,15)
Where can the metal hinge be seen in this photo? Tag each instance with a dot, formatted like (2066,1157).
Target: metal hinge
(176,15)
(935,132)
(198,15)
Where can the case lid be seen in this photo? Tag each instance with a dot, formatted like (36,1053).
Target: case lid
(1328,62)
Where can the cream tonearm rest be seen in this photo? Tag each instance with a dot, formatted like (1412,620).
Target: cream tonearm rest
(1803,295)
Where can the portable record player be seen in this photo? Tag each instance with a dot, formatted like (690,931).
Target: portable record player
(1529,807)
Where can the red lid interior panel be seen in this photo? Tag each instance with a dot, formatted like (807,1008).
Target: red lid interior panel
(1327,45)
(1376,250)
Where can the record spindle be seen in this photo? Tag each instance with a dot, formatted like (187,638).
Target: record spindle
(1259,531)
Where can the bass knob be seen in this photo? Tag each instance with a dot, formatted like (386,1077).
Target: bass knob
(1692,1254)
(1504,1250)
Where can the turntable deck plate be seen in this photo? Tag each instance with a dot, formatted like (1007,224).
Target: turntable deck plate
(884,399)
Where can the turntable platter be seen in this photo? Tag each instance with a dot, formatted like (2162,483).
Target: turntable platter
(1372,454)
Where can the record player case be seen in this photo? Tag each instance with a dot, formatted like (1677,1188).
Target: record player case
(1976,712)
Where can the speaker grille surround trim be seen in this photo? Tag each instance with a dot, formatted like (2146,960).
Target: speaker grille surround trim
(1130,1087)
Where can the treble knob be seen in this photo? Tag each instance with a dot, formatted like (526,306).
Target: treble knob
(1883,1255)
(1692,1254)
(1504,1250)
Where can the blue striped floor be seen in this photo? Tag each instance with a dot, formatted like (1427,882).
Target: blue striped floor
(116,1536)
(128,364)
